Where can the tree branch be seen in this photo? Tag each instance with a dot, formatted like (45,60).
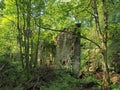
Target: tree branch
(9,19)
(91,41)
(56,30)
(80,36)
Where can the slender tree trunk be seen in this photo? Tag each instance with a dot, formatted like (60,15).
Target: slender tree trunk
(19,34)
(106,71)
(32,53)
(28,35)
(37,47)
(103,39)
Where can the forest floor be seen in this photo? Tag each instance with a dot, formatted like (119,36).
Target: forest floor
(12,77)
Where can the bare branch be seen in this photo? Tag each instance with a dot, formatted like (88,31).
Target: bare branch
(9,19)
(54,29)
(91,41)
(91,13)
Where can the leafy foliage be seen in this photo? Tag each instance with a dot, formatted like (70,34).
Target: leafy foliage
(37,22)
(8,74)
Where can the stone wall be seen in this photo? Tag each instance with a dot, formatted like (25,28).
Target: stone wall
(68,49)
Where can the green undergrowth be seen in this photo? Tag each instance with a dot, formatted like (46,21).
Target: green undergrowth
(64,81)
(13,77)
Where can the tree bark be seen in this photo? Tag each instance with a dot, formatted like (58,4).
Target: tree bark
(37,47)
(19,34)
(103,39)
(106,71)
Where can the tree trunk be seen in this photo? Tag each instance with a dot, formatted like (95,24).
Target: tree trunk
(106,69)
(28,36)
(19,34)
(106,78)
(37,47)
(103,38)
